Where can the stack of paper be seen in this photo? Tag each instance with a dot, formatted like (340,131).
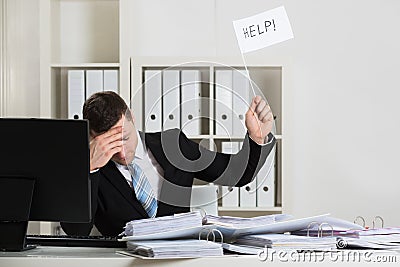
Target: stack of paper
(188,248)
(239,222)
(241,249)
(330,227)
(382,238)
(230,232)
(175,222)
(288,242)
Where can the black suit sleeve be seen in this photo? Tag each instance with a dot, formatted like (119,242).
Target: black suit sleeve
(83,229)
(225,169)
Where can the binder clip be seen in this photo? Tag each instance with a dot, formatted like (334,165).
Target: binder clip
(320,229)
(362,219)
(373,222)
(309,227)
(211,232)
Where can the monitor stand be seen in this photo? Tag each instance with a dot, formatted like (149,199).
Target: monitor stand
(15,203)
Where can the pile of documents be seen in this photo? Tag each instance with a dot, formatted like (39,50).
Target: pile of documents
(175,222)
(187,248)
(179,235)
(288,242)
(238,222)
(382,238)
(279,226)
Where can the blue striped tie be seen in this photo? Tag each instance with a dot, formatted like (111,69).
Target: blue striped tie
(144,192)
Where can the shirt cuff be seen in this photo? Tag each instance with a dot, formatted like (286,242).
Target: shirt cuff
(270,137)
(94,171)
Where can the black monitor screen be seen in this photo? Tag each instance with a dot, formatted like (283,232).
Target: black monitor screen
(55,154)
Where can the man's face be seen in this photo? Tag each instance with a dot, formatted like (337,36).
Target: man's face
(129,140)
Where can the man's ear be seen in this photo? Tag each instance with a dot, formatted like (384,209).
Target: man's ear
(133,116)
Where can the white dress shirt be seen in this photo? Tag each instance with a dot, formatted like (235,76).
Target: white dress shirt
(148,164)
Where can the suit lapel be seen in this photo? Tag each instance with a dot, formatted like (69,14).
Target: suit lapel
(171,173)
(112,174)
(153,142)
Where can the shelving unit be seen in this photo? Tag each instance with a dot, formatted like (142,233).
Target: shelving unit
(97,34)
(78,34)
(267,81)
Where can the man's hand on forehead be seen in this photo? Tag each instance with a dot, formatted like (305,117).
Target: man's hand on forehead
(104,146)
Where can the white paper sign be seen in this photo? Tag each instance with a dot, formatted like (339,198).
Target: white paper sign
(263,29)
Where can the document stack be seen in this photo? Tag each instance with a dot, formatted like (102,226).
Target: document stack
(176,236)
(182,235)
(238,222)
(146,227)
(288,242)
(188,248)
(382,238)
(250,241)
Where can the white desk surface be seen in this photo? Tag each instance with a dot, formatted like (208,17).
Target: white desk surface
(99,257)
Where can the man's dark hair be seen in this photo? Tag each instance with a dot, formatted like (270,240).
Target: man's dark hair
(104,110)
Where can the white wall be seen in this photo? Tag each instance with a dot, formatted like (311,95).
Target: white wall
(345,126)
(20,58)
(341,125)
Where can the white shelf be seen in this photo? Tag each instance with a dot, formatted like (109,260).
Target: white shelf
(228,137)
(205,136)
(202,136)
(85,65)
(260,209)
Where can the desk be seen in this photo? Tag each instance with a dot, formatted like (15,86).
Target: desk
(106,257)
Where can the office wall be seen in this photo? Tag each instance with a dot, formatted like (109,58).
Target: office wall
(341,124)
(20,58)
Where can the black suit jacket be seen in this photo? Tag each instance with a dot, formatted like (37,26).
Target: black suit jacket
(114,202)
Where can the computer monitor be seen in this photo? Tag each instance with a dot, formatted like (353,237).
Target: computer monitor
(44,175)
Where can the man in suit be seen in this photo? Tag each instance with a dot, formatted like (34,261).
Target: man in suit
(168,160)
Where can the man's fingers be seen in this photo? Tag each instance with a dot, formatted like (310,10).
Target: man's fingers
(113,151)
(260,106)
(110,136)
(268,117)
(264,112)
(111,132)
(253,104)
(113,145)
